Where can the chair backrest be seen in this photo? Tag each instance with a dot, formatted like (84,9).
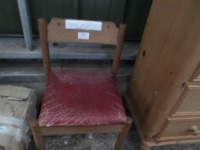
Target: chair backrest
(56,31)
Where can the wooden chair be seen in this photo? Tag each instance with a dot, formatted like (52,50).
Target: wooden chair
(80,102)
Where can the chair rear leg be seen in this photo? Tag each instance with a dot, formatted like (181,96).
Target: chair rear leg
(123,134)
(38,139)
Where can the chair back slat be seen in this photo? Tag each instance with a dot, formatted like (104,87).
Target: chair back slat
(58,33)
(55,32)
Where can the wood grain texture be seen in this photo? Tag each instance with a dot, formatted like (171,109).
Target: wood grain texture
(189,101)
(39,132)
(133,111)
(81,130)
(196,75)
(142,146)
(37,136)
(119,47)
(44,47)
(181,129)
(168,56)
(123,134)
(170,141)
(58,33)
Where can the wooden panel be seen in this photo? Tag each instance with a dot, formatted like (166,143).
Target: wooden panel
(198,78)
(182,128)
(168,56)
(189,101)
(81,130)
(58,33)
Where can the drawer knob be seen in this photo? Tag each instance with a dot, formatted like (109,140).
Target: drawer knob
(195,130)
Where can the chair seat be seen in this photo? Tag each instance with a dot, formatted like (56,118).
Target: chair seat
(81,98)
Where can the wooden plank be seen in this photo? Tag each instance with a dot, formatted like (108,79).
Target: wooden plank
(58,33)
(196,75)
(38,139)
(80,130)
(181,129)
(144,147)
(38,132)
(119,47)
(167,141)
(44,47)
(170,38)
(135,112)
(123,134)
(189,101)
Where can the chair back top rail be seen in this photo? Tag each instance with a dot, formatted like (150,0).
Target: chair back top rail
(58,33)
(55,31)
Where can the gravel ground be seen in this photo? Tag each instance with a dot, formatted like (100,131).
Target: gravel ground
(103,142)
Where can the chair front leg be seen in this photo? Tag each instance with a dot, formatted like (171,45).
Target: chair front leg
(123,134)
(38,139)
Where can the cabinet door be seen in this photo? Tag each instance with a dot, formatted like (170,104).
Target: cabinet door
(189,101)
(168,56)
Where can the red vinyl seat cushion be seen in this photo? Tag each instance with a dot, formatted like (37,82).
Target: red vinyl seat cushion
(81,98)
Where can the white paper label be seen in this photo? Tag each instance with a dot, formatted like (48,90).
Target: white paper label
(83,35)
(83,25)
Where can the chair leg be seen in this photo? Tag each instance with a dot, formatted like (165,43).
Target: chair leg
(123,134)
(144,147)
(38,139)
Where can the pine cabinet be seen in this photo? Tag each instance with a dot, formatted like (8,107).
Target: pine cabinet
(164,90)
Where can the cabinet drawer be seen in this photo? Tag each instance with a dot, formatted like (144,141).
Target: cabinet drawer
(197,78)
(196,75)
(182,128)
(189,101)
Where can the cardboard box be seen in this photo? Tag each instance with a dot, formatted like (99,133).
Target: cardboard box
(17,107)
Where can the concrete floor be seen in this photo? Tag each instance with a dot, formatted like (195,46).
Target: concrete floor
(33,73)
(103,142)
